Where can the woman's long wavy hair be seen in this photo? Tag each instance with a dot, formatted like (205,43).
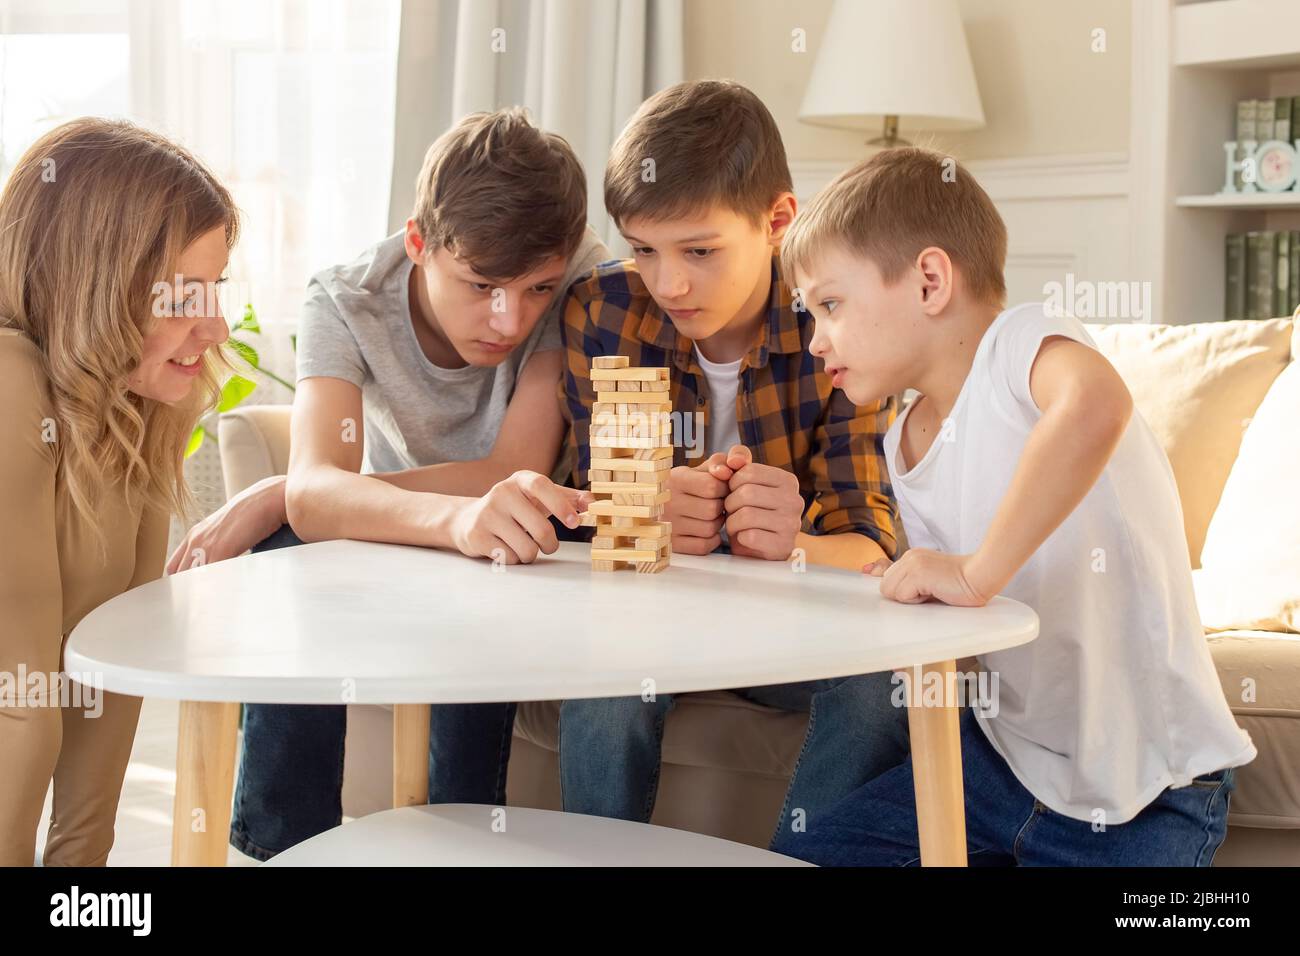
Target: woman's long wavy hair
(95,214)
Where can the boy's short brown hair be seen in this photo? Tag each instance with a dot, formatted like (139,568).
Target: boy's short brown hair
(501,194)
(711,142)
(891,206)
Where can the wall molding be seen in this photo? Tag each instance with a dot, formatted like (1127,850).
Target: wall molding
(1067,176)
(1067,214)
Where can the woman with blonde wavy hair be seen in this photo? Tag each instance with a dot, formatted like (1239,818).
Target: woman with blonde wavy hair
(112,240)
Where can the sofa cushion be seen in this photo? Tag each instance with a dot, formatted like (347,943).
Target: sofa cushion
(1260,675)
(714,729)
(1250,566)
(1197,386)
(254,445)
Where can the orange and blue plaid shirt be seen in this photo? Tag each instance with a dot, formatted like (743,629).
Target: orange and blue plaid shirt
(787,412)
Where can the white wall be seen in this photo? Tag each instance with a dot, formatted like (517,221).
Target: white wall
(1053,152)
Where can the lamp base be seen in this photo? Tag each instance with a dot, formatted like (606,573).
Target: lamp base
(890,137)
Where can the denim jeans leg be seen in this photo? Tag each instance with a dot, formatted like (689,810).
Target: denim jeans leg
(290,776)
(610,755)
(290,783)
(469,750)
(855,733)
(1180,827)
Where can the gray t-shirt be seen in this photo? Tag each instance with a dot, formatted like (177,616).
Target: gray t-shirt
(356,326)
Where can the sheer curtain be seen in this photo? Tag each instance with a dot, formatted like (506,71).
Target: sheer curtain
(582,67)
(291,102)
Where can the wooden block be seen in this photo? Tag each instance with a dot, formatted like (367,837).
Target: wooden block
(622,554)
(638,417)
(632,499)
(641,407)
(639,374)
(638,465)
(608,508)
(663,442)
(610,361)
(660,385)
(622,478)
(623,407)
(663,433)
(587,520)
(653,454)
(597,475)
(604,541)
(650,544)
(603,566)
(623,521)
(648,567)
(654,531)
(625,386)
(626,488)
(635,398)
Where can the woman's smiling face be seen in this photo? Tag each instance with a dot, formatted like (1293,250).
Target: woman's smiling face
(190,323)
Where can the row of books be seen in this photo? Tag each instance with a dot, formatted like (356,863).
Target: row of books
(1263,274)
(1263,120)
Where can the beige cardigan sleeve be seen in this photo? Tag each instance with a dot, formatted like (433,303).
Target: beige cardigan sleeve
(31,596)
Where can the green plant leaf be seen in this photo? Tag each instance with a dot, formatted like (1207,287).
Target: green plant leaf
(293,340)
(249,321)
(235,391)
(196,440)
(244,351)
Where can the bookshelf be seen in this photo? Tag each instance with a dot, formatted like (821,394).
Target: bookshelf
(1192,62)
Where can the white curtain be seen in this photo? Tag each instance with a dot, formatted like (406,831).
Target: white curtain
(581,67)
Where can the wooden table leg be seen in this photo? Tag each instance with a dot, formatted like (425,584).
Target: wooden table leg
(410,755)
(936,768)
(205,777)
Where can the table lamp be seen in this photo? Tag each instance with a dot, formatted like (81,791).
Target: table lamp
(886,63)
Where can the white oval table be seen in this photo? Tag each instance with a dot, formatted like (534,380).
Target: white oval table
(356,622)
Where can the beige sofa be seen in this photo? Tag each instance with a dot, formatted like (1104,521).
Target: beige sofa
(727,762)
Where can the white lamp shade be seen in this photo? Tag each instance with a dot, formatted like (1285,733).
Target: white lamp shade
(904,58)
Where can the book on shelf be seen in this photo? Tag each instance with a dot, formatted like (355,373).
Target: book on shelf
(1246,113)
(1234,305)
(1282,118)
(1281,274)
(1261,260)
(1265,113)
(1261,274)
(1293,295)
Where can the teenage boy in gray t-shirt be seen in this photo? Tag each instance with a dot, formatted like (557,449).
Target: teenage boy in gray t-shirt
(426,413)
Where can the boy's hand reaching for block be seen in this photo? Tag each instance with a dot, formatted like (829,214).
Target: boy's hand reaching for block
(514,517)
(764,510)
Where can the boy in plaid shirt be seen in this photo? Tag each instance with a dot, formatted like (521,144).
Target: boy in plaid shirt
(699,186)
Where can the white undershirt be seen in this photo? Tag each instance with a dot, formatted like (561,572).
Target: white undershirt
(723,383)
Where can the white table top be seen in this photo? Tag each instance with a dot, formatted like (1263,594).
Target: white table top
(460,834)
(356,622)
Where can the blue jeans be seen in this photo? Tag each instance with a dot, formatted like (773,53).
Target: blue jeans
(610,747)
(1007,826)
(290,784)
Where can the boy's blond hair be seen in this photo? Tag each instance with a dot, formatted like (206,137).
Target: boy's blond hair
(501,194)
(692,146)
(891,206)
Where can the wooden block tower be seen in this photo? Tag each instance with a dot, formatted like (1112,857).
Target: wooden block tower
(631,455)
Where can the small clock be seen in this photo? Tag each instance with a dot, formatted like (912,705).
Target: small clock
(1275,166)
